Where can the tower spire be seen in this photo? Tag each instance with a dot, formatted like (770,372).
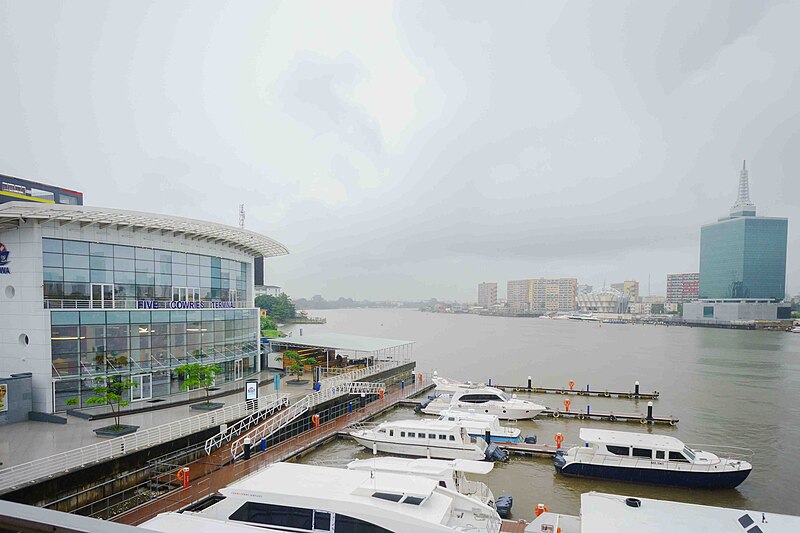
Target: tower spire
(743,205)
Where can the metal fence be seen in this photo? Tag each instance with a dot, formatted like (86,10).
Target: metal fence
(17,476)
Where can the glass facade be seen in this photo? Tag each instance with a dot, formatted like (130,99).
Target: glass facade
(743,258)
(90,286)
(80,274)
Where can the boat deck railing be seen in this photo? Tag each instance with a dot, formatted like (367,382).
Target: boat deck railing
(735,453)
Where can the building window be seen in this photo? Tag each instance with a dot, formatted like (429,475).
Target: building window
(708,311)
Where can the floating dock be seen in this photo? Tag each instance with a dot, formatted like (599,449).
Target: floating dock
(581,392)
(610,416)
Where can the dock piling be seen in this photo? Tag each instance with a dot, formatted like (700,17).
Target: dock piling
(650,412)
(636,389)
(246,448)
(488,436)
(530,382)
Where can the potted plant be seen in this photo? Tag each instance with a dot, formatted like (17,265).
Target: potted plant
(198,375)
(111,391)
(298,366)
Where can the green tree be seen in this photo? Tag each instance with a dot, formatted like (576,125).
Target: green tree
(268,323)
(298,363)
(279,308)
(197,375)
(111,392)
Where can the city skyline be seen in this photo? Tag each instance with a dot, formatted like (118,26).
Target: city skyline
(375,147)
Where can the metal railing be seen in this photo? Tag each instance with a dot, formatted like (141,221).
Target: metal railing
(16,476)
(357,375)
(232,431)
(274,424)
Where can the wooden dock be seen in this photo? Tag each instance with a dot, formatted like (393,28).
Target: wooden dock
(628,395)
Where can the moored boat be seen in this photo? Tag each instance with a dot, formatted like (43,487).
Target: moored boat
(433,439)
(477,424)
(645,458)
(286,497)
(485,400)
(448,474)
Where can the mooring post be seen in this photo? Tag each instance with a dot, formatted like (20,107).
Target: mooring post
(636,389)
(402,385)
(363,400)
(263,444)
(488,436)
(588,409)
(587,387)
(529,383)
(490,382)
(650,412)
(246,448)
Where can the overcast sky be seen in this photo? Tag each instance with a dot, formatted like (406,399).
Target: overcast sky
(412,150)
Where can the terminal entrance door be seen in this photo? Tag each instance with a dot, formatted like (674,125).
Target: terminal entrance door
(238,369)
(102,296)
(144,387)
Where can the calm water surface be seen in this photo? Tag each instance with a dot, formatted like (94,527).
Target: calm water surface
(736,388)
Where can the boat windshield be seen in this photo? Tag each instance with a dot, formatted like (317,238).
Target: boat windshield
(505,396)
(688,453)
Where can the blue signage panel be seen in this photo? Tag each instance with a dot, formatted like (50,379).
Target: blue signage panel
(4,260)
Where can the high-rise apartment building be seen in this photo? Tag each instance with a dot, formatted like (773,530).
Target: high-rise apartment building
(743,256)
(517,295)
(549,295)
(487,294)
(682,288)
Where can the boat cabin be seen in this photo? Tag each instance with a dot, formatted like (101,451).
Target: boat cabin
(637,445)
(419,431)
(487,394)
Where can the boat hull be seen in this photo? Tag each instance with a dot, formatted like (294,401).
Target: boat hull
(421,450)
(677,478)
(499,412)
(496,438)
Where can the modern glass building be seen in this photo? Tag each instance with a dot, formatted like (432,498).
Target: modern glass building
(743,256)
(90,294)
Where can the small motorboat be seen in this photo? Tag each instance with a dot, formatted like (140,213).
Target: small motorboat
(477,424)
(485,400)
(656,459)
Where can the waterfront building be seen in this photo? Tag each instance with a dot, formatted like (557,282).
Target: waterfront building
(584,289)
(682,288)
(552,295)
(267,290)
(629,289)
(602,301)
(91,293)
(517,295)
(19,190)
(742,265)
(487,294)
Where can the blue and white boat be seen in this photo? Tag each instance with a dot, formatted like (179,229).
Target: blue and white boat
(657,459)
(477,424)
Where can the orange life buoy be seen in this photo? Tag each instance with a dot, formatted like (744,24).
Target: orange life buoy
(559,439)
(567,401)
(571,384)
(380,393)
(180,474)
(541,508)
(315,420)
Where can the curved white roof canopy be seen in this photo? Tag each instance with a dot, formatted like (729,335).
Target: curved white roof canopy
(252,243)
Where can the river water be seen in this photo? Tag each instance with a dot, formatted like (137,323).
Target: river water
(728,387)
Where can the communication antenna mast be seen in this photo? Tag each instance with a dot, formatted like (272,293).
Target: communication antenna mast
(241,216)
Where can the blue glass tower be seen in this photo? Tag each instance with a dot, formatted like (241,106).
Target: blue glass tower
(743,255)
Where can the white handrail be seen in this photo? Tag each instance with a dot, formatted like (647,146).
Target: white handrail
(234,430)
(286,416)
(16,476)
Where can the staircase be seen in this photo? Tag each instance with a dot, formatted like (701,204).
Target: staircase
(263,413)
(286,416)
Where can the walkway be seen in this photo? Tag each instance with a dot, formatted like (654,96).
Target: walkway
(211,474)
(27,441)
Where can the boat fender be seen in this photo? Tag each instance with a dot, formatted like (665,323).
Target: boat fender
(672,421)
(556,414)
(530,439)
(643,420)
(612,418)
(606,394)
(581,416)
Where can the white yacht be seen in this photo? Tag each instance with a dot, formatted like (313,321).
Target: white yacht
(433,439)
(449,386)
(477,424)
(448,474)
(486,400)
(612,513)
(645,458)
(287,497)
